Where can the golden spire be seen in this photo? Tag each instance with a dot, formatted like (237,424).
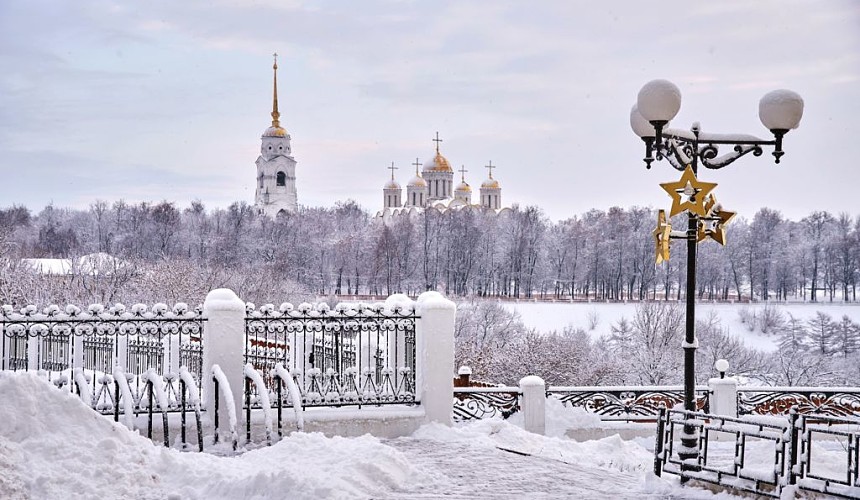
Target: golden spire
(275,114)
(417,164)
(463,173)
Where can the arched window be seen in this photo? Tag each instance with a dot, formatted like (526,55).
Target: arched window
(281,179)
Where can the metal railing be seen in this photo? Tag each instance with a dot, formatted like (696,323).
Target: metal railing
(56,342)
(627,403)
(475,403)
(353,355)
(769,453)
(813,401)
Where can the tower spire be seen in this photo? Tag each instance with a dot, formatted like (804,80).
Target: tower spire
(463,173)
(275,115)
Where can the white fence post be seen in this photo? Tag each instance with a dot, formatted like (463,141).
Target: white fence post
(223,345)
(434,333)
(724,392)
(534,404)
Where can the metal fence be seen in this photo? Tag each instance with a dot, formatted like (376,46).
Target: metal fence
(57,342)
(627,403)
(475,403)
(813,401)
(769,453)
(354,354)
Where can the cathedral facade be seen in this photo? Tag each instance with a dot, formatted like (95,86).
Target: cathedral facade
(433,187)
(276,167)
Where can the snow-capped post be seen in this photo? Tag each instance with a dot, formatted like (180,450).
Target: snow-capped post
(724,392)
(223,339)
(434,333)
(533,404)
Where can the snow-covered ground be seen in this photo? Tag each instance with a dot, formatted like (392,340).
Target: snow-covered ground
(52,446)
(548,316)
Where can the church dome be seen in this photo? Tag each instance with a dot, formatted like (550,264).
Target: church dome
(490,184)
(275,132)
(438,164)
(392,184)
(417,181)
(464,187)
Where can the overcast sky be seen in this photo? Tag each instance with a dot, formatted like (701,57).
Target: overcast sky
(167,99)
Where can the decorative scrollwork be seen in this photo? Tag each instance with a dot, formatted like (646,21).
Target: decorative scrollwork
(474,405)
(812,402)
(629,403)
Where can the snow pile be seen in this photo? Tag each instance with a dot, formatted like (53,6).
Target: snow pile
(611,452)
(53,446)
(560,418)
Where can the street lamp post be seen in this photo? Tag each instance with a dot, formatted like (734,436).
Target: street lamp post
(658,103)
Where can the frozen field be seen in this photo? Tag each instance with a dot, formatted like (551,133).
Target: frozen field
(555,316)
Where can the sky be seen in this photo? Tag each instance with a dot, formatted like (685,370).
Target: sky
(166,100)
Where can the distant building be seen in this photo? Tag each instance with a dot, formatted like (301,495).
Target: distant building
(276,168)
(433,187)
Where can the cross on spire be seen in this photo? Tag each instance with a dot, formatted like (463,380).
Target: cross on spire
(392,168)
(463,173)
(437,140)
(417,164)
(490,167)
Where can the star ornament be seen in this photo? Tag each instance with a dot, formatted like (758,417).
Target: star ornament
(688,193)
(662,238)
(713,225)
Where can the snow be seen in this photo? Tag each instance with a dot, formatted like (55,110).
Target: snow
(53,446)
(126,398)
(549,316)
(263,394)
(532,381)
(229,403)
(295,394)
(223,299)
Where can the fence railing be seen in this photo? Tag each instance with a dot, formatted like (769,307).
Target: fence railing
(350,355)
(767,453)
(627,403)
(56,342)
(813,401)
(475,403)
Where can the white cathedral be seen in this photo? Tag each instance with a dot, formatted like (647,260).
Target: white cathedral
(433,187)
(276,167)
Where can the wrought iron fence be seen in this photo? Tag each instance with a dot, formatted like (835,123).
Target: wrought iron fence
(813,401)
(474,403)
(355,354)
(769,453)
(58,342)
(627,403)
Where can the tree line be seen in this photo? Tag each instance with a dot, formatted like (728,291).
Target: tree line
(166,250)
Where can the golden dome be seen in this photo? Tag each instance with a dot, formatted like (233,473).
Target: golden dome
(275,132)
(417,181)
(392,184)
(490,184)
(438,164)
(464,187)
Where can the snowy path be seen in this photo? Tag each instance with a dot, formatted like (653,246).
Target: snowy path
(458,470)
(465,471)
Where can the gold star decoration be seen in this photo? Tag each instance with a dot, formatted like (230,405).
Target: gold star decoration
(713,224)
(688,193)
(662,237)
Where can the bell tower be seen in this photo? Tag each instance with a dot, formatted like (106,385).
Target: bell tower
(276,167)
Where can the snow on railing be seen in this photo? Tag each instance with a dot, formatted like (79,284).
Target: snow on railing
(629,403)
(120,378)
(155,390)
(262,395)
(282,376)
(812,401)
(222,390)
